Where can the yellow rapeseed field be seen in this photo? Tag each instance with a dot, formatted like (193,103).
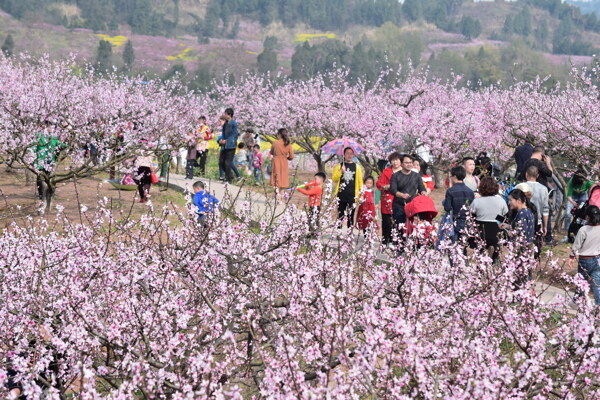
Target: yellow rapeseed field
(116,41)
(303,37)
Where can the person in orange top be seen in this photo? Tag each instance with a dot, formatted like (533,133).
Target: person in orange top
(282,152)
(314,191)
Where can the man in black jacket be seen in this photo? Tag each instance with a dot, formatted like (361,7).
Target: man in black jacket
(522,154)
(405,185)
(542,163)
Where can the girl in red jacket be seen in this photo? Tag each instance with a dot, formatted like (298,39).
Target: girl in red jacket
(366,210)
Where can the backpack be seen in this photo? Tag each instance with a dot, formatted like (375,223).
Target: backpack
(594,197)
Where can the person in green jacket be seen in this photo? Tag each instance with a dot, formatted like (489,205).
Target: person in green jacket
(46,151)
(577,193)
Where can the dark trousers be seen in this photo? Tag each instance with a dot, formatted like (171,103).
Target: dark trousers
(399,215)
(226,161)
(490,232)
(143,181)
(548,237)
(189,168)
(386,227)
(346,209)
(201,161)
(41,187)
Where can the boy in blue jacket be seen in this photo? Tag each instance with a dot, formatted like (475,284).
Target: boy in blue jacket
(204,201)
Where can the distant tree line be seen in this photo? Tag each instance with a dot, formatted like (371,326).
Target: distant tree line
(567,37)
(98,14)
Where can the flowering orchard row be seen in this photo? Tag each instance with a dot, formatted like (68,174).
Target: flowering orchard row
(121,118)
(451,121)
(120,310)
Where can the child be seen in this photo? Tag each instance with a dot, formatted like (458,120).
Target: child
(241,158)
(314,191)
(257,162)
(419,214)
(204,201)
(366,210)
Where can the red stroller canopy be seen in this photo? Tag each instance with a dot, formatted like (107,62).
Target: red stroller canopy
(421,204)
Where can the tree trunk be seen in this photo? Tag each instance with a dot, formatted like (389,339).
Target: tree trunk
(29,178)
(439,175)
(559,213)
(319,160)
(49,196)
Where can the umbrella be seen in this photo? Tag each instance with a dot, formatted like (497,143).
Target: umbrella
(337,146)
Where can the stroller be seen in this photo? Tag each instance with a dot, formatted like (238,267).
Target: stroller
(579,212)
(420,212)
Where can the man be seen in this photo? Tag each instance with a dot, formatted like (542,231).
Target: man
(458,198)
(229,140)
(470,180)
(541,162)
(47,150)
(405,185)
(539,197)
(348,177)
(522,154)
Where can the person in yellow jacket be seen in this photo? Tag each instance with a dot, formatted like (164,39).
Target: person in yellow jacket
(348,179)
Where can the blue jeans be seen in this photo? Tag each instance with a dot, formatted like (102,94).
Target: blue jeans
(590,268)
(459,225)
(578,198)
(257,174)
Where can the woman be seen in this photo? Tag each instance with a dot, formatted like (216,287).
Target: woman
(387,198)
(523,224)
(282,152)
(420,167)
(587,250)
(524,221)
(486,210)
(143,179)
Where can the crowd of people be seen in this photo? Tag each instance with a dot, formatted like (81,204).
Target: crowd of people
(520,214)
(397,202)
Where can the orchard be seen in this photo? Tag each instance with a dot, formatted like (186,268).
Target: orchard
(110,308)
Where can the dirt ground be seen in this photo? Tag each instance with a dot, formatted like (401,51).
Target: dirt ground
(19,201)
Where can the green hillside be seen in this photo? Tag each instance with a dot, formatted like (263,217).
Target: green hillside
(204,39)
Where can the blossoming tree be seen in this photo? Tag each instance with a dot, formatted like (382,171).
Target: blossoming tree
(50,116)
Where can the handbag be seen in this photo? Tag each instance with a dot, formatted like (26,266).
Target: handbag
(446,231)
(153,178)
